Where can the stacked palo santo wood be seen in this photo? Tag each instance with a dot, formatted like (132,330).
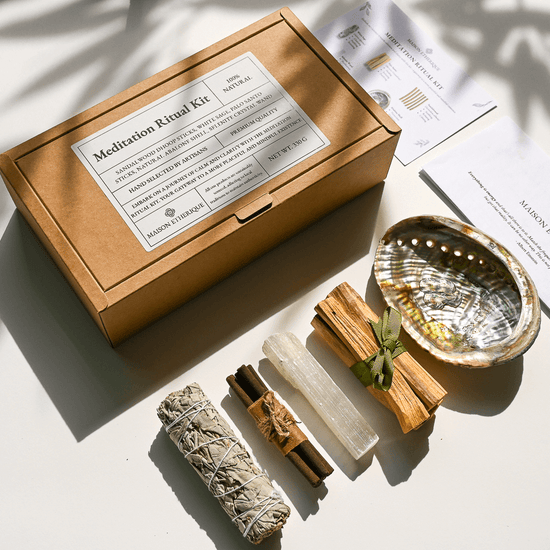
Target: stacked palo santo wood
(342,320)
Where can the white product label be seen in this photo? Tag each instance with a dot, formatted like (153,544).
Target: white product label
(174,162)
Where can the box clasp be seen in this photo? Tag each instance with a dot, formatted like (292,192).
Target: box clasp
(254,208)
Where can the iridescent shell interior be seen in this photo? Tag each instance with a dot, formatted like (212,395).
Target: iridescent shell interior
(463,296)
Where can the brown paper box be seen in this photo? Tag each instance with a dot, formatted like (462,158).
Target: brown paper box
(125,287)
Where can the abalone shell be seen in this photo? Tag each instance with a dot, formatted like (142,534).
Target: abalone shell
(462,295)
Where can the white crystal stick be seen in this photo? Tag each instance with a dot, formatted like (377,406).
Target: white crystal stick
(300,368)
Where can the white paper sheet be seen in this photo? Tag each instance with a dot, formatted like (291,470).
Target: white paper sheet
(407,73)
(499,180)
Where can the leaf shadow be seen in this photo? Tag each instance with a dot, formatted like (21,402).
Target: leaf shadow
(510,42)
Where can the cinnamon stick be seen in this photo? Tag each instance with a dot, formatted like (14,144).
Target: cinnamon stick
(252,392)
(342,320)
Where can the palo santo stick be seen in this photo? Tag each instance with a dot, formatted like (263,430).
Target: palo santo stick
(399,398)
(414,395)
(252,392)
(423,384)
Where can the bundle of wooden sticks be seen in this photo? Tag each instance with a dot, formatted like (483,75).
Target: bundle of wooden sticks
(342,320)
(278,425)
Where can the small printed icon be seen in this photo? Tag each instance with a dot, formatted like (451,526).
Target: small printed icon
(382,98)
(422,143)
(348,31)
(367,6)
(169,212)
(413,99)
(377,61)
(429,51)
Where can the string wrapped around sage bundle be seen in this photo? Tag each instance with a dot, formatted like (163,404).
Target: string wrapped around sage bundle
(210,446)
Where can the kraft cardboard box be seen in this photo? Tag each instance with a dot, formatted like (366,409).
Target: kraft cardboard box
(156,194)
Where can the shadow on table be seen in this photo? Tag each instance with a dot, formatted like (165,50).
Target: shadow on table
(397,453)
(90,383)
(486,392)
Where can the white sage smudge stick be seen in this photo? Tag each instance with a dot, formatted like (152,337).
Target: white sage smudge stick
(300,368)
(206,440)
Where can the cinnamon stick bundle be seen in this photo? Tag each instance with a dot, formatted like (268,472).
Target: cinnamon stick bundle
(278,425)
(342,320)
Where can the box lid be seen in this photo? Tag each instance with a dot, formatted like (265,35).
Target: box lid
(85,221)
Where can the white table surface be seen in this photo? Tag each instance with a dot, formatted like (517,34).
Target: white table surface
(84,461)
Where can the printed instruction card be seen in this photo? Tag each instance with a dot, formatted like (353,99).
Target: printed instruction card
(420,87)
(192,152)
(498,179)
